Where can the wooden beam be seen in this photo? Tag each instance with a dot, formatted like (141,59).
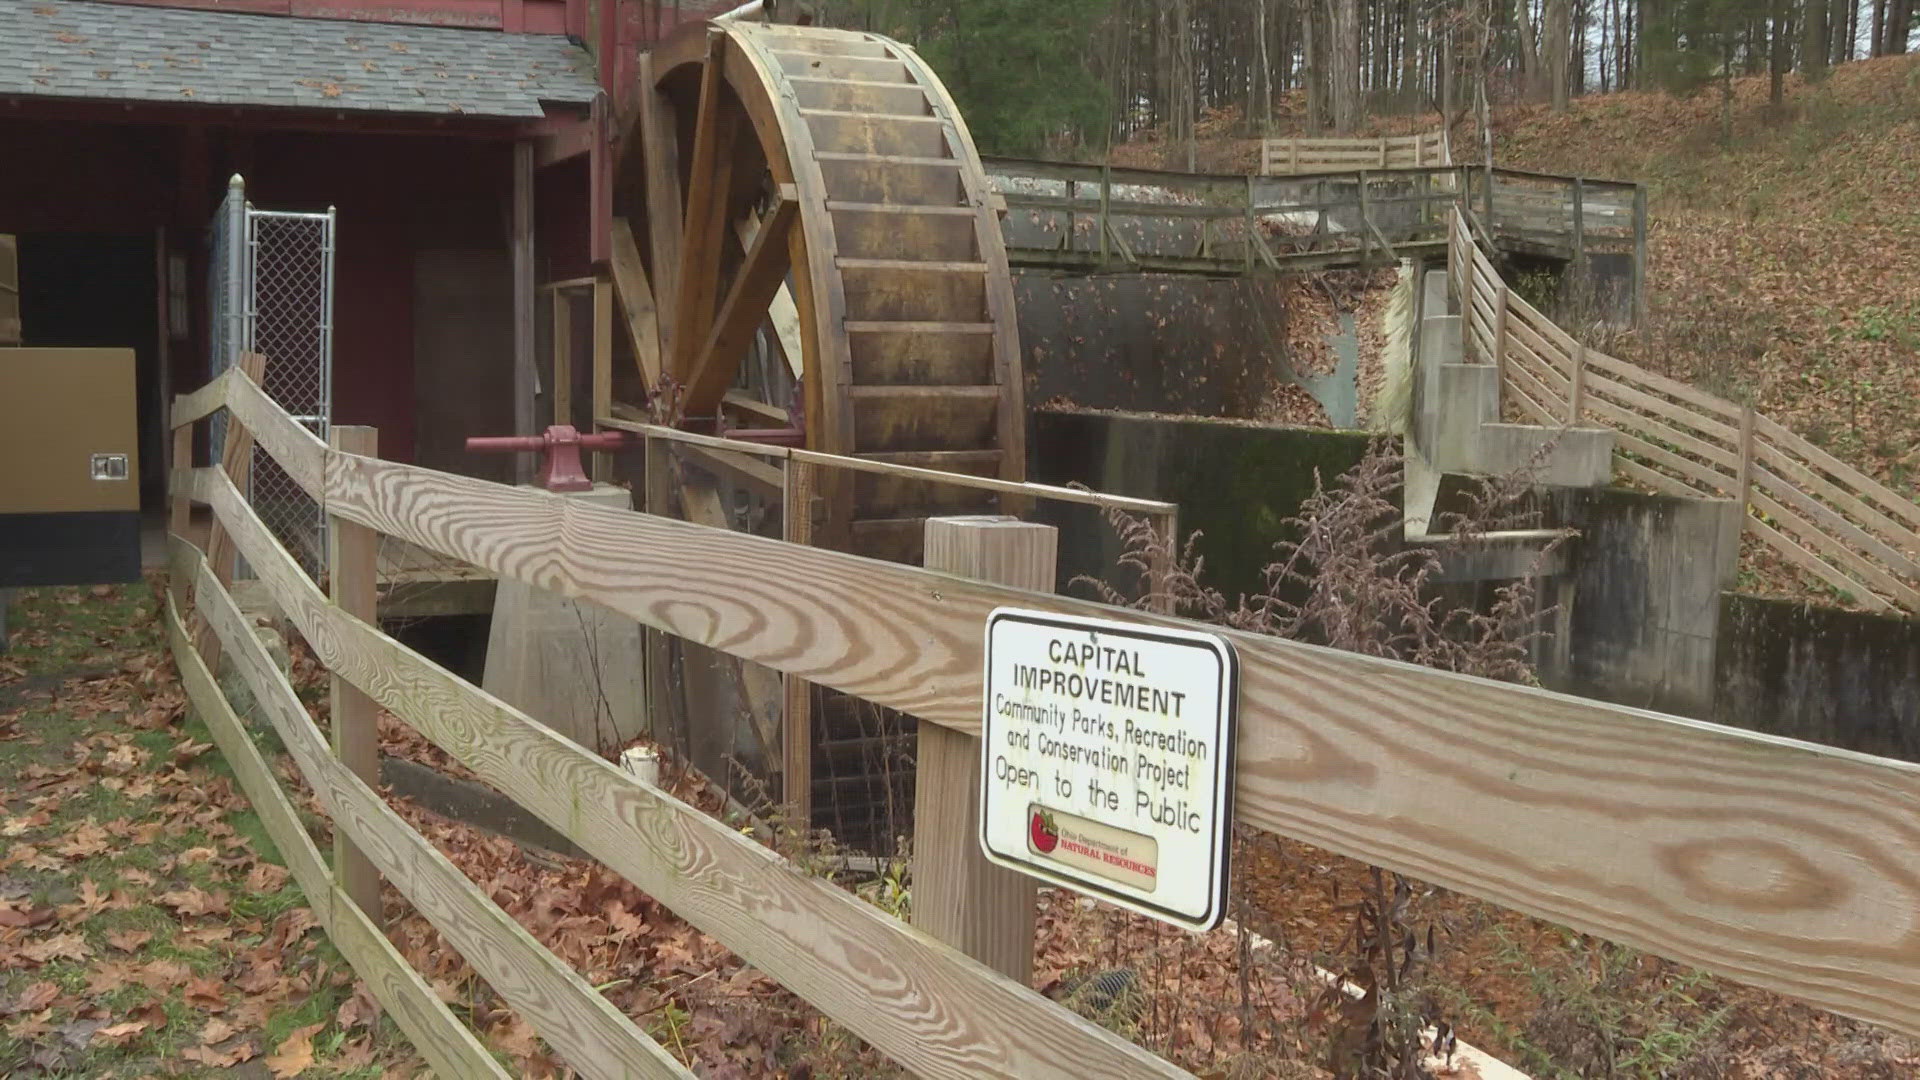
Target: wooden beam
(944,1015)
(640,314)
(759,410)
(449,1047)
(761,274)
(660,164)
(236,460)
(985,911)
(783,313)
(704,231)
(586,1029)
(353,576)
(1336,749)
(562,331)
(602,363)
(796,722)
(573,139)
(524,376)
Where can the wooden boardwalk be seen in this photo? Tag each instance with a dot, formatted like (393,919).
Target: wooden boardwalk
(1087,219)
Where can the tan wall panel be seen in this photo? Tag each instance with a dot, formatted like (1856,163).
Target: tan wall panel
(59,407)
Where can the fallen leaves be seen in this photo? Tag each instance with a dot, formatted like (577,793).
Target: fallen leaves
(194,901)
(295,1055)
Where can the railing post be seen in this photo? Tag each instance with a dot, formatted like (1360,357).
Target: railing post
(1500,343)
(1106,199)
(1252,224)
(1577,386)
(1745,481)
(656,497)
(959,897)
(181,506)
(796,731)
(1293,163)
(1639,255)
(353,582)
(1365,219)
(602,364)
(1580,231)
(1487,197)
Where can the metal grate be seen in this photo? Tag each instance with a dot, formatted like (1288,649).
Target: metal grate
(271,292)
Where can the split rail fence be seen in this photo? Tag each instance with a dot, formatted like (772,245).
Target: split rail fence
(1782,864)
(1814,510)
(1280,157)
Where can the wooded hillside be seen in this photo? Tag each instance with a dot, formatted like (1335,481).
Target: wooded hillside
(1076,76)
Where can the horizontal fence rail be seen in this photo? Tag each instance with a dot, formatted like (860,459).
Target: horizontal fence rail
(1820,514)
(1777,863)
(927,1006)
(1308,155)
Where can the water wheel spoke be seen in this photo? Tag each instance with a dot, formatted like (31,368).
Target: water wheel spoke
(709,193)
(744,310)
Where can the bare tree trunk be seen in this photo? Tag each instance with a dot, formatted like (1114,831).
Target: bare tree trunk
(1265,81)
(1534,78)
(1813,39)
(1313,71)
(1344,41)
(1558,40)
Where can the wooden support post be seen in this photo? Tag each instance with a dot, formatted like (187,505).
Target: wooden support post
(236,460)
(1639,255)
(1580,232)
(796,732)
(1499,344)
(656,500)
(1253,223)
(1293,161)
(1365,218)
(522,245)
(1577,386)
(602,364)
(958,896)
(1106,201)
(1487,197)
(1162,563)
(181,506)
(1745,481)
(353,580)
(562,356)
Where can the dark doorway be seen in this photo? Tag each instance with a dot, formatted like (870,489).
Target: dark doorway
(101,292)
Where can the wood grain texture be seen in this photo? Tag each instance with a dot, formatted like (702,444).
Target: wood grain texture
(201,403)
(449,1047)
(353,577)
(297,450)
(944,1015)
(641,314)
(984,910)
(582,1026)
(1777,863)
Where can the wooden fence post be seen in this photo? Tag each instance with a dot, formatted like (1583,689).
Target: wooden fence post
(796,725)
(1580,231)
(1745,482)
(353,580)
(1577,386)
(1501,302)
(182,507)
(236,460)
(959,897)
(1106,203)
(1639,256)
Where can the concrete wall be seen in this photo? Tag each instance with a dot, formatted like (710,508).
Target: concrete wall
(1234,482)
(1152,343)
(1843,678)
(1646,587)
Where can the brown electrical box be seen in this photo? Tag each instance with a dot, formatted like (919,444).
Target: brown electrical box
(69,467)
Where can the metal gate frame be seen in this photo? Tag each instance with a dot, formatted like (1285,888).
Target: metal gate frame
(271,291)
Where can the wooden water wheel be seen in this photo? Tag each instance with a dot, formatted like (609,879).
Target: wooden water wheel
(824,266)
(838,271)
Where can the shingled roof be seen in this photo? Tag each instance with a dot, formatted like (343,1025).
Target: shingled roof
(116,52)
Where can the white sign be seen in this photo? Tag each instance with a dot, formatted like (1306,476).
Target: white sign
(1107,760)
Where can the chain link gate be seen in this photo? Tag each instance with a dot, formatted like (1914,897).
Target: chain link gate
(270,291)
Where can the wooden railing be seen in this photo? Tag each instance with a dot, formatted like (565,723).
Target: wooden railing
(1822,515)
(1291,156)
(1777,863)
(1080,217)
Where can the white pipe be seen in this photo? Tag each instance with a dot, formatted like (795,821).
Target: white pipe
(762,9)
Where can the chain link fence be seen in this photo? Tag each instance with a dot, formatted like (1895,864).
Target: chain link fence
(271,292)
